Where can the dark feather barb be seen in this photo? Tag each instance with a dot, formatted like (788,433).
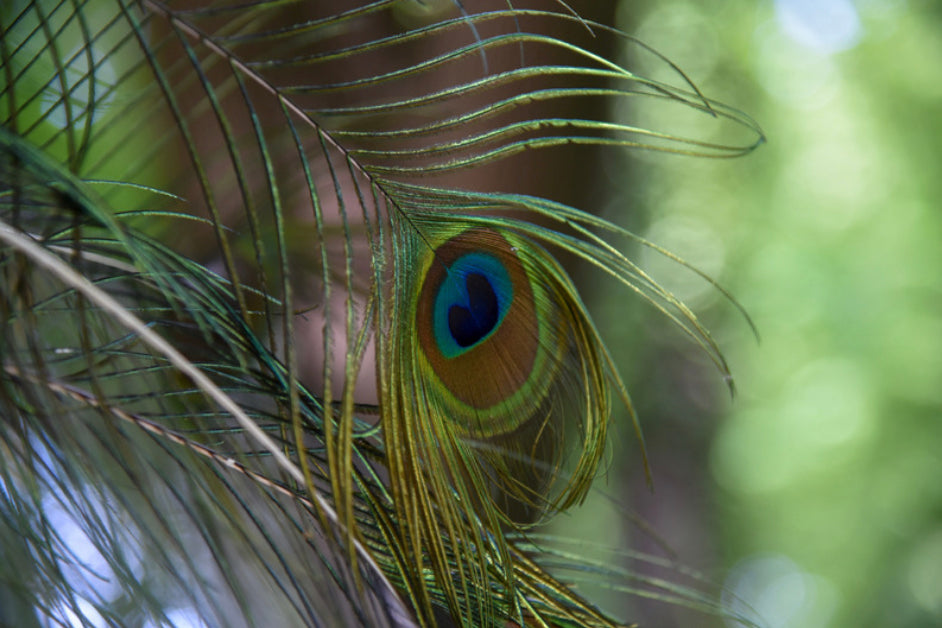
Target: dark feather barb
(254,364)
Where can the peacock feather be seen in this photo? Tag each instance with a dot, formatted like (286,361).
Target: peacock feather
(274,348)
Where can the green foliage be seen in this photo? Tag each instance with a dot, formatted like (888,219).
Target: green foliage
(821,479)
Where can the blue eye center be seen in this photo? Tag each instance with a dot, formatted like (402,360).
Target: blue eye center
(471,302)
(469,324)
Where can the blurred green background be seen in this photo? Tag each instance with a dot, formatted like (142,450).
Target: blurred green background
(815,493)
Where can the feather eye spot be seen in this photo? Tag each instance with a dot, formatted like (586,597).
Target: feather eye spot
(472,299)
(476,320)
(472,323)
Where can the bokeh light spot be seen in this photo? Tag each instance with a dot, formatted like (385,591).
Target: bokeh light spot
(781,593)
(924,574)
(87,93)
(794,75)
(702,247)
(824,25)
(823,413)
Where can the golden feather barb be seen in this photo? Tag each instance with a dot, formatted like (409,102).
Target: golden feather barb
(255,366)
